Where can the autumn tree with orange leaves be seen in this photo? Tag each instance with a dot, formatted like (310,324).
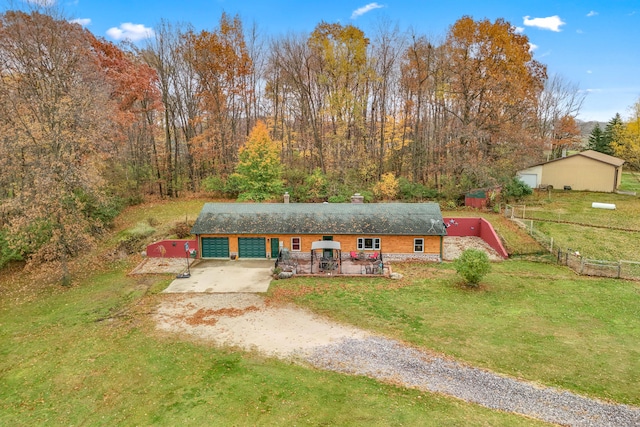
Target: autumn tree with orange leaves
(222,65)
(56,121)
(492,84)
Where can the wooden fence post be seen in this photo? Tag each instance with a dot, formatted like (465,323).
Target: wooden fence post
(619,269)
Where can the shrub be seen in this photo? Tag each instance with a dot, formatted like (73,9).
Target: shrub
(131,240)
(7,253)
(516,189)
(232,186)
(315,186)
(472,265)
(340,198)
(414,191)
(182,229)
(213,184)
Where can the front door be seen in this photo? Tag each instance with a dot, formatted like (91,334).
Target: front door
(275,247)
(327,253)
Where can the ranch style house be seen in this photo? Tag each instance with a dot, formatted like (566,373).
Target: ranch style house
(383,231)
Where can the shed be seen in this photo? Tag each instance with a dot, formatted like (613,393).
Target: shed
(587,171)
(480,197)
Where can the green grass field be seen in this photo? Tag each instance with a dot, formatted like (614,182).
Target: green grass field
(568,217)
(630,181)
(90,354)
(532,320)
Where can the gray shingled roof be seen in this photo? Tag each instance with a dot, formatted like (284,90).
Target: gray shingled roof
(421,219)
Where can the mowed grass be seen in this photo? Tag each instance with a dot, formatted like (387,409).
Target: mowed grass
(90,355)
(596,233)
(530,320)
(630,181)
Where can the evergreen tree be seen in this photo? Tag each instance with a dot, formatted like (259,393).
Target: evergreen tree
(612,134)
(596,140)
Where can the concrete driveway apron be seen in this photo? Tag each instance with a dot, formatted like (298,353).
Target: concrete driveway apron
(225,276)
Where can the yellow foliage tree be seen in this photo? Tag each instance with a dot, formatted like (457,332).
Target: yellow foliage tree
(627,145)
(387,187)
(259,171)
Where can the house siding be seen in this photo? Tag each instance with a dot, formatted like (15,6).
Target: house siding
(581,173)
(399,245)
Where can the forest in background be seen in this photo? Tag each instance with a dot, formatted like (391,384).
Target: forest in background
(89,126)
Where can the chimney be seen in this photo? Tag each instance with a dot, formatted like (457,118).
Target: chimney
(286,197)
(357,198)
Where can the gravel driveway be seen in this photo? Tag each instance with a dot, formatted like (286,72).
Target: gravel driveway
(246,322)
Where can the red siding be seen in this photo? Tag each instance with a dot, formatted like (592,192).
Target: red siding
(476,227)
(173,248)
(475,202)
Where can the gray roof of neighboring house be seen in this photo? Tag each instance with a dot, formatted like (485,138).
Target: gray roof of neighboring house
(420,219)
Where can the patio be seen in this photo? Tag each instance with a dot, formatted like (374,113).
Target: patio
(326,258)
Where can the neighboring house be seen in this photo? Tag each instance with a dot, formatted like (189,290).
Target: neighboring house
(394,231)
(586,171)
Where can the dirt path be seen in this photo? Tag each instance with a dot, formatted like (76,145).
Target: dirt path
(246,322)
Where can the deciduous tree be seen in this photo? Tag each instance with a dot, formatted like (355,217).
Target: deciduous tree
(259,171)
(493,84)
(627,147)
(55,116)
(223,67)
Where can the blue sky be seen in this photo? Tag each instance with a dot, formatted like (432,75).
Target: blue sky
(594,44)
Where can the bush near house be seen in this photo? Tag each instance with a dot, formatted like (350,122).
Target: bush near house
(472,265)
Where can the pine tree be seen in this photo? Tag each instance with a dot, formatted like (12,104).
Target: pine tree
(597,140)
(613,134)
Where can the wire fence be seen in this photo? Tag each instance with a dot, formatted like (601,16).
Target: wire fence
(621,269)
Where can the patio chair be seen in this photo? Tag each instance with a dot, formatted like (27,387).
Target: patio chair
(374,256)
(353,255)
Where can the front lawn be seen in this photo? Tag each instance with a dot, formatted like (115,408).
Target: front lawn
(531,320)
(89,354)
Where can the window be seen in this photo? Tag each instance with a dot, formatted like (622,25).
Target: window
(368,243)
(295,244)
(418,245)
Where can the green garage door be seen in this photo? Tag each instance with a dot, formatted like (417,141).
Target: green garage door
(215,247)
(252,247)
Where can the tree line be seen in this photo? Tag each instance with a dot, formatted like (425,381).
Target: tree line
(88,125)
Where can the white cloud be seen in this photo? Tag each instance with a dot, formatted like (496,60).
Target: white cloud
(532,47)
(364,9)
(589,72)
(81,21)
(519,30)
(129,31)
(592,13)
(45,3)
(552,23)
